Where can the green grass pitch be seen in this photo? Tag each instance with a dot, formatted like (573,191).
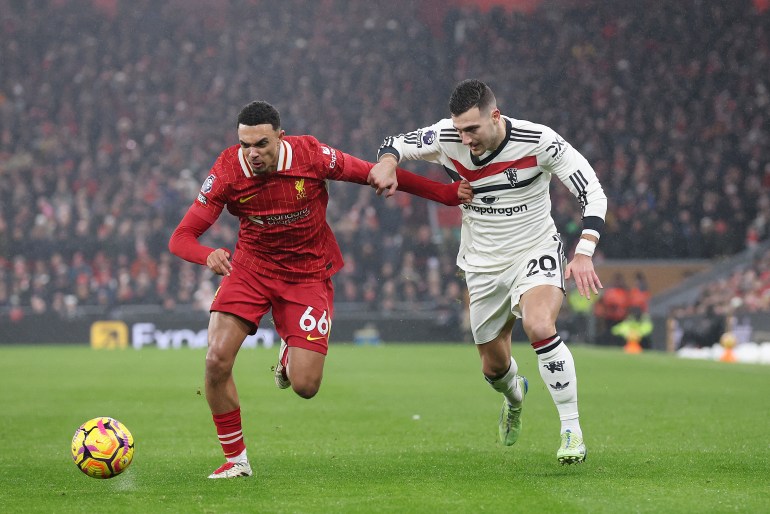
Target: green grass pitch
(395,428)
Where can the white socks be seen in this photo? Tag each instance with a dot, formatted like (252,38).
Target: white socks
(239,458)
(508,385)
(557,368)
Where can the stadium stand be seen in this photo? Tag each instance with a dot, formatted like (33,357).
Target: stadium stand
(110,118)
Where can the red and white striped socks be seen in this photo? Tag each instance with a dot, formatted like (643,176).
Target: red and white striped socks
(231,435)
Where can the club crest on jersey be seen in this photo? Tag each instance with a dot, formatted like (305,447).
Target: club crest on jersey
(511,175)
(207,184)
(299,185)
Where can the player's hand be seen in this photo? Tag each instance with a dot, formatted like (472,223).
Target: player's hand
(586,279)
(382,177)
(465,192)
(218,261)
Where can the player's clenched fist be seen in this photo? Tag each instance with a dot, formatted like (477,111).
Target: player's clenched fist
(465,192)
(218,261)
(382,176)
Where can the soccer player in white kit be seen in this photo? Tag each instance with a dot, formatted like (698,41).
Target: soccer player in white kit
(510,250)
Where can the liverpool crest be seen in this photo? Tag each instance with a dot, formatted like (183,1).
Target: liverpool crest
(299,185)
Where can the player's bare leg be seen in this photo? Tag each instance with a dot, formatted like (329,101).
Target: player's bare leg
(305,371)
(226,334)
(500,371)
(540,307)
(496,354)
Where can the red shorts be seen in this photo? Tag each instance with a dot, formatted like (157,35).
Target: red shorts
(302,312)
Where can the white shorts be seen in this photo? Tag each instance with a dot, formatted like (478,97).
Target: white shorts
(494,297)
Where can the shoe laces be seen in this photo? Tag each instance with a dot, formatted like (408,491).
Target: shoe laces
(569,440)
(511,413)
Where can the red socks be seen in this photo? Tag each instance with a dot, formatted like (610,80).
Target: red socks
(230,433)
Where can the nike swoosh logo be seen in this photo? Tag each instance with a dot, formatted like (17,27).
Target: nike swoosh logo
(246,198)
(311,338)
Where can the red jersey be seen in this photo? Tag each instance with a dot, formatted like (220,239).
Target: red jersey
(283,230)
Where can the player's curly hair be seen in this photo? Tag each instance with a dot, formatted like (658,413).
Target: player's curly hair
(259,113)
(471,93)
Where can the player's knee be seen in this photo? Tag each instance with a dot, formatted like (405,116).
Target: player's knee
(305,385)
(306,389)
(539,328)
(218,367)
(494,369)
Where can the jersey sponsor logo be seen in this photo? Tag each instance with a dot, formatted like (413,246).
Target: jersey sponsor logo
(280,219)
(208,184)
(489,200)
(246,198)
(330,151)
(557,148)
(502,211)
(202,199)
(314,338)
(299,185)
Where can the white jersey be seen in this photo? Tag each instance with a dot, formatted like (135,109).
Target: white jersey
(511,208)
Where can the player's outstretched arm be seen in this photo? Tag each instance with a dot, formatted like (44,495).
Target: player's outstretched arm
(455,193)
(360,171)
(184,243)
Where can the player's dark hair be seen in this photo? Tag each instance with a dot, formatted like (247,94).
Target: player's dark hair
(259,113)
(471,93)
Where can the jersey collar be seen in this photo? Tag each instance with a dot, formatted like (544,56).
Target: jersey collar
(285,158)
(486,160)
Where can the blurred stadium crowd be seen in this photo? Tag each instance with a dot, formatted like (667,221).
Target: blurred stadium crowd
(111,114)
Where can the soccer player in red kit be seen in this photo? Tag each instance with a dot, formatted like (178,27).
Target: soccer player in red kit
(284,258)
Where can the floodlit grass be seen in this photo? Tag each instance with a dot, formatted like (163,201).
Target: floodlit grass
(395,428)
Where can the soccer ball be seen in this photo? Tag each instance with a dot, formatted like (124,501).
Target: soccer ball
(102,447)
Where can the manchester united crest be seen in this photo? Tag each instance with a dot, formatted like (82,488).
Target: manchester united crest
(510,174)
